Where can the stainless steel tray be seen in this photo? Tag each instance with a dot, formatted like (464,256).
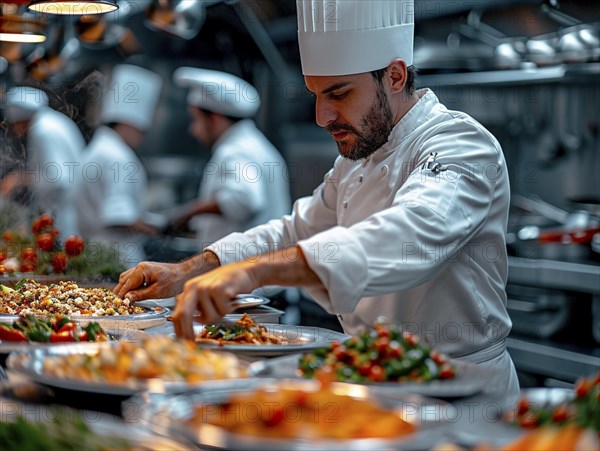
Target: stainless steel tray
(300,338)
(168,415)
(30,363)
(129,335)
(150,318)
(469,380)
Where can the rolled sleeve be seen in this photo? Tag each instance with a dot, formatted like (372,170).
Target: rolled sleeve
(339,260)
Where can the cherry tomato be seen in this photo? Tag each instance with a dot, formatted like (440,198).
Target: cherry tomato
(59,262)
(8,236)
(447,372)
(377,373)
(560,414)
(528,421)
(74,245)
(382,345)
(61,337)
(42,223)
(83,336)
(523,406)
(29,255)
(45,241)
(582,388)
(274,419)
(10,334)
(27,267)
(3,256)
(68,327)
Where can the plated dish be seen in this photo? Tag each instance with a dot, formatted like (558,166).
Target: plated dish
(298,415)
(272,340)
(157,364)
(470,378)
(81,304)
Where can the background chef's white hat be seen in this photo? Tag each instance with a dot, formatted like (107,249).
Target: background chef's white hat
(343,37)
(131,96)
(218,92)
(22,102)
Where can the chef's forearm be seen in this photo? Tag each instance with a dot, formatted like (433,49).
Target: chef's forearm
(286,267)
(200,263)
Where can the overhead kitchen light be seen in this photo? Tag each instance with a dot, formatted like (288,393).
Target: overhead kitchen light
(20,28)
(73,7)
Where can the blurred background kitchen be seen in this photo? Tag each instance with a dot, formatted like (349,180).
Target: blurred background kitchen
(528,70)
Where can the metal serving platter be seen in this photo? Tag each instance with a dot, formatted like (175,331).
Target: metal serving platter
(150,318)
(168,415)
(128,335)
(300,339)
(469,380)
(30,363)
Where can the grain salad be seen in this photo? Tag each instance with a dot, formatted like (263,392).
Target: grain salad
(64,297)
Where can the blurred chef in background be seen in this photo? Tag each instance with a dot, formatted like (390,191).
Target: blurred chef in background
(53,146)
(111,202)
(245,182)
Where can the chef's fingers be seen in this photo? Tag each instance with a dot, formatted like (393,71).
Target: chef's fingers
(207,306)
(127,281)
(185,306)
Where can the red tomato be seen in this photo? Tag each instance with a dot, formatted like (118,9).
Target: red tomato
(70,326)
(8,236)
(29,255)
(60,337)
(377,373)
(560,414)
(42,223)
(74,245)
(446,372)
(523,406)
(27,267)
(10,334)
(582,388)
(3,256)
(45,241)
(59,262)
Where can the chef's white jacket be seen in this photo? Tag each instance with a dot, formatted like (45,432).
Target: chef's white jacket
(247,177)
(391,238)
(112,194)
(54,147)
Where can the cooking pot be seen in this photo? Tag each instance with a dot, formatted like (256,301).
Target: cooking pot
(547,232)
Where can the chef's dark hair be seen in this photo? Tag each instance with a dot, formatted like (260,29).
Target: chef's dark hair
(232,119)
(411,75)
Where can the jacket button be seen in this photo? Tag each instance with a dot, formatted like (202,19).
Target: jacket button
(384,169)
(345,204)
(360,179)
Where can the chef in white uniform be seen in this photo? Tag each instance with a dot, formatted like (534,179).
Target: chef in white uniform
(112,199)
(54,146)
(245,182)
(410,222)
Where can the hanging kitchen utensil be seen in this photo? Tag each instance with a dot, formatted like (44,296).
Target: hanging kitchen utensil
(508,51)
(178,18)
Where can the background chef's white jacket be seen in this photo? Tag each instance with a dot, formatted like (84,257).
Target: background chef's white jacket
(247,177)
(55,146)
(112,193)
(388,238)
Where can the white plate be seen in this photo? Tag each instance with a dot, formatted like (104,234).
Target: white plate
(30,363)
(169,414)
(469,380)
(243,301)
(300,339)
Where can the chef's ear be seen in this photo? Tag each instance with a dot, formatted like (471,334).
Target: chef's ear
(397,74)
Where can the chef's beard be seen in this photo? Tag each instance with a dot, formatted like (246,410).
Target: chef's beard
(375,128)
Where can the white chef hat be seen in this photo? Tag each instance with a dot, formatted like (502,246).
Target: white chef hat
(218,92)
(131,96)
(22,102)
(344,37)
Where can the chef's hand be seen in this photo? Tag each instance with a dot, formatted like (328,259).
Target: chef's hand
(210,296)
(150,280)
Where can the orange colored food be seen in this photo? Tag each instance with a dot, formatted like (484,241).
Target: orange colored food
(286,413)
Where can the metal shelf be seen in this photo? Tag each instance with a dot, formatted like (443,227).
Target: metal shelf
(554,274)
(555,74)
